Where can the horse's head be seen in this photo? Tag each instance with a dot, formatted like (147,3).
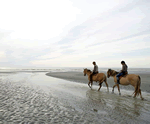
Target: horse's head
(85,70)
(111,72)
(108,73)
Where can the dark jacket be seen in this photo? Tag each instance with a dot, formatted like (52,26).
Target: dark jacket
(124,69)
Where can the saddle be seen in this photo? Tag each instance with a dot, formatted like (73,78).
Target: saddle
(123,75)
(95,74)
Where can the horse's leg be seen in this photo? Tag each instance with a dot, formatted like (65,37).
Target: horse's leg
(118,89)
(106,85)
(100,85)
(89,84)
(113,88)
(141,95)
(135,92)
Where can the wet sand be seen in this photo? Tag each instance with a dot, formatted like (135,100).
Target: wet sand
(35,98)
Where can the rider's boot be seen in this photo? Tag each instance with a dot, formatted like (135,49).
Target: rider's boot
(118,82)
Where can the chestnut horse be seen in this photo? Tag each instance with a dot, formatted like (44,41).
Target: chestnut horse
(129,79)
(100,77)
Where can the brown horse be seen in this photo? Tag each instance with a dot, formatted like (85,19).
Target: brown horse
(131,79)
(100,77)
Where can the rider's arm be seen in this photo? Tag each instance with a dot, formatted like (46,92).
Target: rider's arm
(124,68)
(94,69)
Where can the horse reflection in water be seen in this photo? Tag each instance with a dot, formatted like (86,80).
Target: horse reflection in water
(100,77)
(121,107)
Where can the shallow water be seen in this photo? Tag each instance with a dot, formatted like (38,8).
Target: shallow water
(77,69)
(37,98)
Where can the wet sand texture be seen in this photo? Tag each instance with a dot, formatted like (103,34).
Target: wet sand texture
(24,104)
(40,99)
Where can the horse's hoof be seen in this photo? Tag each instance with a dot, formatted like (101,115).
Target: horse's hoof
(112,91)
(119,93)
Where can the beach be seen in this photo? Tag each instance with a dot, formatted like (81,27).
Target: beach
(64,97)
(79,77)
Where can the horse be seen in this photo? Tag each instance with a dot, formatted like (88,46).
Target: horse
(129,79)
(100,77)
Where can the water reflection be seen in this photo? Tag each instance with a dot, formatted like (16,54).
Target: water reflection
(126,106)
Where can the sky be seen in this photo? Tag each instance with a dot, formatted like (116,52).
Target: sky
(74,33)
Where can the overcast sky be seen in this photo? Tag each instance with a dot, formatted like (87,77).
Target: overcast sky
(73,33)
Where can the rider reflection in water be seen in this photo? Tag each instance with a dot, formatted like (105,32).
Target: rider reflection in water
(123,71)
(95,70)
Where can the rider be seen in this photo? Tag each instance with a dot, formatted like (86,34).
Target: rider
(123,71)
(95,70)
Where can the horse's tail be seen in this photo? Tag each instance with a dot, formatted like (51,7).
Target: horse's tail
(137,90)
(105,80)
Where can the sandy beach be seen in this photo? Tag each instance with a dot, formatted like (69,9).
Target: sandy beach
(35,98)
(46,45)
(79,77)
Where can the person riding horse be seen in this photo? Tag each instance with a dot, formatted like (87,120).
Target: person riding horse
(123,71)
(95,70)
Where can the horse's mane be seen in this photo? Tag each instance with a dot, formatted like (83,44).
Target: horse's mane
(88,70)
(113,72)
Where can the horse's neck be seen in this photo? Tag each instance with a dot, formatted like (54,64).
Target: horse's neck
(114,74)
(114,77)
(88,73)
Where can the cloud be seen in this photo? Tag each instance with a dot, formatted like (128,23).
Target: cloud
(112,26)
(4,34)
(74,33)
(51,55)
(112,52)
(37,20)
(2,56)
(86,62)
